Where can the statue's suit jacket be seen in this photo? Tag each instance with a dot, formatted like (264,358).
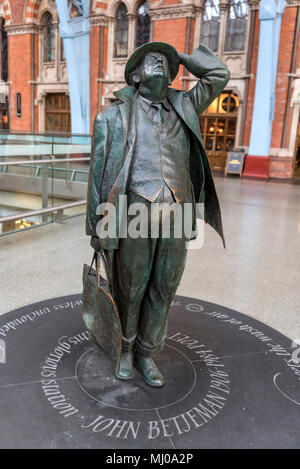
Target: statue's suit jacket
(111,158)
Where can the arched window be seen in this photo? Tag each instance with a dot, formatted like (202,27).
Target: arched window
(49,37)
(236,25)
(3,51)
(142,25)
(121,31)
(210,25)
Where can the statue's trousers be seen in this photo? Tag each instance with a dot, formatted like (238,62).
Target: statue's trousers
(144,274)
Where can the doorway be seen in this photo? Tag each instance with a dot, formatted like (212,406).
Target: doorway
(218,127)
(296,163)
(4,123)
(58,116)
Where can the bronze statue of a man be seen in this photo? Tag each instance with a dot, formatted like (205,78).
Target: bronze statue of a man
(148,146)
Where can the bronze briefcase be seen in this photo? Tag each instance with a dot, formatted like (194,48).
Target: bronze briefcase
(100,312)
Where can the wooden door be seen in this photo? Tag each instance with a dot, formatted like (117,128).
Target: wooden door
(218,136)
(4,116)
(296,162)
(218,127)
(58,116)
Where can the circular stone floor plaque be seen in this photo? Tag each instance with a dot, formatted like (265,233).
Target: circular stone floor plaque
(231,382)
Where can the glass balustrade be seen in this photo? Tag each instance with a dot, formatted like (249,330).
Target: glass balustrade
(43,178)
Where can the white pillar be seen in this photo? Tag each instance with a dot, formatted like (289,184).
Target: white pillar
(75,34)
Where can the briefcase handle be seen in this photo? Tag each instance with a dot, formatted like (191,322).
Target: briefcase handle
(97,259)
(98,266)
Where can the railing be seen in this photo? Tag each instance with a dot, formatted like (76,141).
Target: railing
(58,210)
(38,167)
(23,136)
(38,178)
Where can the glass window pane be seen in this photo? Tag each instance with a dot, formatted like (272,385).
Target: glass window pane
(229,143)
(213,107)
(202,125)
(121,31)
(49,122)
(231,126)
(56,101)
(142,25)
(209,143)
(56,122)
(49,37)
(210,129)
(63,121)
(236,25)
(220,126)
(219,143)
(4,51)
(210,26)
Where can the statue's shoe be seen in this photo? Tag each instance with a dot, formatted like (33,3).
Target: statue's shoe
(149,370)
(126,365)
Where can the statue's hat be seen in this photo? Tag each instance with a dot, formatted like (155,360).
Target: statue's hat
(162,47)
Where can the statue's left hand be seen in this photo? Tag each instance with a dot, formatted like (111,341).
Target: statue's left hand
(182,57)
(95,243)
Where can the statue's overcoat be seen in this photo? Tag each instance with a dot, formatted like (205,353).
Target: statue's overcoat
(110,163)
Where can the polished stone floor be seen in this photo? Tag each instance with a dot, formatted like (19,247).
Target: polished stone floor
(257,274)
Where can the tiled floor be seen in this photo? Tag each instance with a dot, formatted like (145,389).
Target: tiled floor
(258,274)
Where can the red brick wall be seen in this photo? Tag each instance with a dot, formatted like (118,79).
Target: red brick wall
(104,66)
(191,43)
(94,71)
(19,76)
(253,67)
(284,61)
(172,31)
(170,2)
(290,110)
(17,10)
(101,5)
(281,167)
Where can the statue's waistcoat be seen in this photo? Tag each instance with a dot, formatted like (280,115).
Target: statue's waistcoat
(161,152)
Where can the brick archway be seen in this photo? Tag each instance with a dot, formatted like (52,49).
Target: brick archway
(7,11)
(31,10)
(32,7)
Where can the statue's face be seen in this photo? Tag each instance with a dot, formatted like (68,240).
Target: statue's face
(155,65)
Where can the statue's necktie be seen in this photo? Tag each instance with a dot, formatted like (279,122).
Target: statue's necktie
(156,112)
